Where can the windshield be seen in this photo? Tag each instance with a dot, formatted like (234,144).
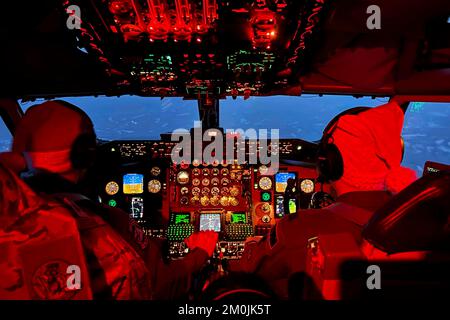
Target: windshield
(426,128)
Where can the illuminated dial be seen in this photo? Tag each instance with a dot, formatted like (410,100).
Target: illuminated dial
(215,191)
(234,191)
(224,201)
(233,201)
(215,171)
(205,172)
(184,200)
(183,177)
(196,191)
(215,163)
(112,188)
(205,182)
(196,171)
(155,171)
(204,201)
(196,182)
(184,190)
(263,170)
(196,163)
(215,181)
(214,200)
(265,183)
(225,181)
(205,191)
(224,171)
(184,165)
(224,191)
(307,186)
(154,186)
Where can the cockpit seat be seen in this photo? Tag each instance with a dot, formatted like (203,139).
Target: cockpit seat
(41,255)
(405,252)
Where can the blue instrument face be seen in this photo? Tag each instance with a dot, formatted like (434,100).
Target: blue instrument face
(133,183)
(281,179)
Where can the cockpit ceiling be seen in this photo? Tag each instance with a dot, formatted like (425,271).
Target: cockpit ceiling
(224,48)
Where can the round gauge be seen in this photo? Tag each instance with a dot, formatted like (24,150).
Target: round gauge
(214,201)
(205,191)
(263,170)
(112,188)
(265,183)
(195,191)
(307,186)
(154,186)
(205,171)
(204,201)
(196,171)
(224,191)
(215,163)
(155,171)
(215,191)
(215,171)
(234,191)
(196,182)
(184,201)
(224,201)
(225,181)
(233,201)
(183,177)
(184,165)
(196,163)
(184,190)
(195,200)
(205,182)
(224,171)
(215,181)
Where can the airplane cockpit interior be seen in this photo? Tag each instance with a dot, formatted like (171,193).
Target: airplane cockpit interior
(254,180)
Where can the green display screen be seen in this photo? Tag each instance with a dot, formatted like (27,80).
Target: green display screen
(239,217)
(292,206)
(182,218)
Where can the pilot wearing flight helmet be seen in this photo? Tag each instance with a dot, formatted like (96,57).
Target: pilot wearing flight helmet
(58,143)
(360,156)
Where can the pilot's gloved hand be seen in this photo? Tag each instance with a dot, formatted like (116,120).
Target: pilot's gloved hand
(205,240)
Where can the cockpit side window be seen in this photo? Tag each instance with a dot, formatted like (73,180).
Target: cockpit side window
(5,135)
(426,133)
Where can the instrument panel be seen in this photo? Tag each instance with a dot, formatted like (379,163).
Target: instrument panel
(174,200)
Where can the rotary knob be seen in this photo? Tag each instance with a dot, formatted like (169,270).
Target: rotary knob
(234,191)
(266,219)
(204,201)
(224,201)
(233,201)
(214,200)
(195,200)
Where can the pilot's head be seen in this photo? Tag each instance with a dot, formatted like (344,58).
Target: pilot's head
(57,137)
(371,148)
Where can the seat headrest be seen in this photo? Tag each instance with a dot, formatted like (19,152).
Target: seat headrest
(416,219)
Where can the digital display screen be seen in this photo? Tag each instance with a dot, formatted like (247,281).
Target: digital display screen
(279,207)
(281,179)
(133,183)
(210,221)
(137,208)
(181,218)
(238,217)
(292,206)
